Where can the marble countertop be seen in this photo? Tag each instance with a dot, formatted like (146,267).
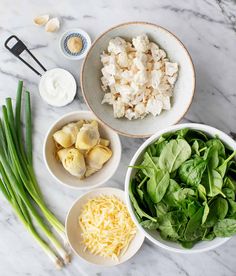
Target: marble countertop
(207,28)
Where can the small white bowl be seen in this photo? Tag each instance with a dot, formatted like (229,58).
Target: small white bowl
(55,167)
(86,40)
(183,90)
(73,230)
(154,235)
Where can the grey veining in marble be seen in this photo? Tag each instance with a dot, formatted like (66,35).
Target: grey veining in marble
(206,27)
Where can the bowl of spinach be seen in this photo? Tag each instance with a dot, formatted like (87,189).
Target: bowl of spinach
(181,186)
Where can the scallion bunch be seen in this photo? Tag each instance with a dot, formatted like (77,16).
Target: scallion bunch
(18,182)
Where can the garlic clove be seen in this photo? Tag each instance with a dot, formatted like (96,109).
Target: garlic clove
(41,20)
(52,25)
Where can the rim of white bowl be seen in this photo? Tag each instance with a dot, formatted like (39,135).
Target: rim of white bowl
(106,178)
(196,126)
(115,191)
(144,135)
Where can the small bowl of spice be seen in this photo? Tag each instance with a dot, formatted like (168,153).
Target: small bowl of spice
(74,44)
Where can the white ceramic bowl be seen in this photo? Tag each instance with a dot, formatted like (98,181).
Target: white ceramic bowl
(73,230)
(183,91)
(154,235)
(55,167)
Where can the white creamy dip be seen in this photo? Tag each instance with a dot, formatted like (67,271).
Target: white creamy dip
(57,87)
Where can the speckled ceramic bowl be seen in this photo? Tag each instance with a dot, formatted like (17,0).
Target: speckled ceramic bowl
(183,91)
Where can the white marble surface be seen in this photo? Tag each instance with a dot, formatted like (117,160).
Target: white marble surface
(207,28)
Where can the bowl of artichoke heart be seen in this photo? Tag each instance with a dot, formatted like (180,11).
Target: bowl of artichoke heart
(180,188)
(81,153)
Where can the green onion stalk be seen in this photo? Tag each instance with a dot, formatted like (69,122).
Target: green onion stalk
(23,214)
(18,181)
(24,161)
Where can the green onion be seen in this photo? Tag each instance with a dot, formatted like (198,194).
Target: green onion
(28,129)
(18,182)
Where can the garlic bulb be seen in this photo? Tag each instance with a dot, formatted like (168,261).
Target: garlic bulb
(88,136)
(41,20)
(73,161)
(52,25)
(98,156)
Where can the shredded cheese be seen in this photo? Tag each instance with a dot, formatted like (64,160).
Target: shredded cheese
(107,228)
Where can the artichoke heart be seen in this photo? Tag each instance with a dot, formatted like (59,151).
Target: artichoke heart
(104,142)
(98,156)
(73,161)
(90,171)
(63,139)
(73,129)
(88,136)
(66,137)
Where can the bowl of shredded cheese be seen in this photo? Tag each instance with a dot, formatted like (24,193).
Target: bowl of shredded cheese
(100,229)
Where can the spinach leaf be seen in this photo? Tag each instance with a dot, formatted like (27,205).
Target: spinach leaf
(205,212)
(138,210)
(140,193)
(174,153)
(223,167)
(229,193)
(191,171)
(169,198)
(213,182)
(149,224)
(194,229)
(171,223)
(232,207)
(232,168)
(195,147)
(187,244)
(198,147)
(183,193)
(151,150)
(194,134)
(192,208)
(149,203)
(159,147)
(161,209)
(212,157)
(229,183)
(218,210)
(209,237)
(225,228)
(202,192)
(167,230)
(157,185)
(148,166)
(218,145)
(182,132)
(220,206)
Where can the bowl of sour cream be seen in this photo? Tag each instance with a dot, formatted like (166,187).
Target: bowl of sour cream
(57,87)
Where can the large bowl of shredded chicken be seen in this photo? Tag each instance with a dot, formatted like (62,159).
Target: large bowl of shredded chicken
(138,78)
